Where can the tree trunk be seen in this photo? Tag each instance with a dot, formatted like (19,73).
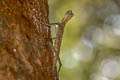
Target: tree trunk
(117,3)
(24,50)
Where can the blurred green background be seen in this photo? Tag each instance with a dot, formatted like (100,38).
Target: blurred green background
(91,43)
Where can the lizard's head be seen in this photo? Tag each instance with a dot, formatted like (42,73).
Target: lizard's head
(68,15)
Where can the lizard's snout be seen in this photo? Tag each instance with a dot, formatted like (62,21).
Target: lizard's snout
(69,12)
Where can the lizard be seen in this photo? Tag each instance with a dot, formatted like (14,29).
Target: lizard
(58,38)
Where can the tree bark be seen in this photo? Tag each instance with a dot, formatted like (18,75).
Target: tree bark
(117,3)
(24,53)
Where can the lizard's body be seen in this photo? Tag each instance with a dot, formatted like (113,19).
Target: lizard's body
(59,34)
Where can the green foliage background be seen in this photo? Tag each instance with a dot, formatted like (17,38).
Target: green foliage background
(90,47)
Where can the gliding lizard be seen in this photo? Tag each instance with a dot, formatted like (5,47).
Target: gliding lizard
(59,34)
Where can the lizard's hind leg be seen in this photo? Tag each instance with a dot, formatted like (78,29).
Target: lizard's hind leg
(60,64)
